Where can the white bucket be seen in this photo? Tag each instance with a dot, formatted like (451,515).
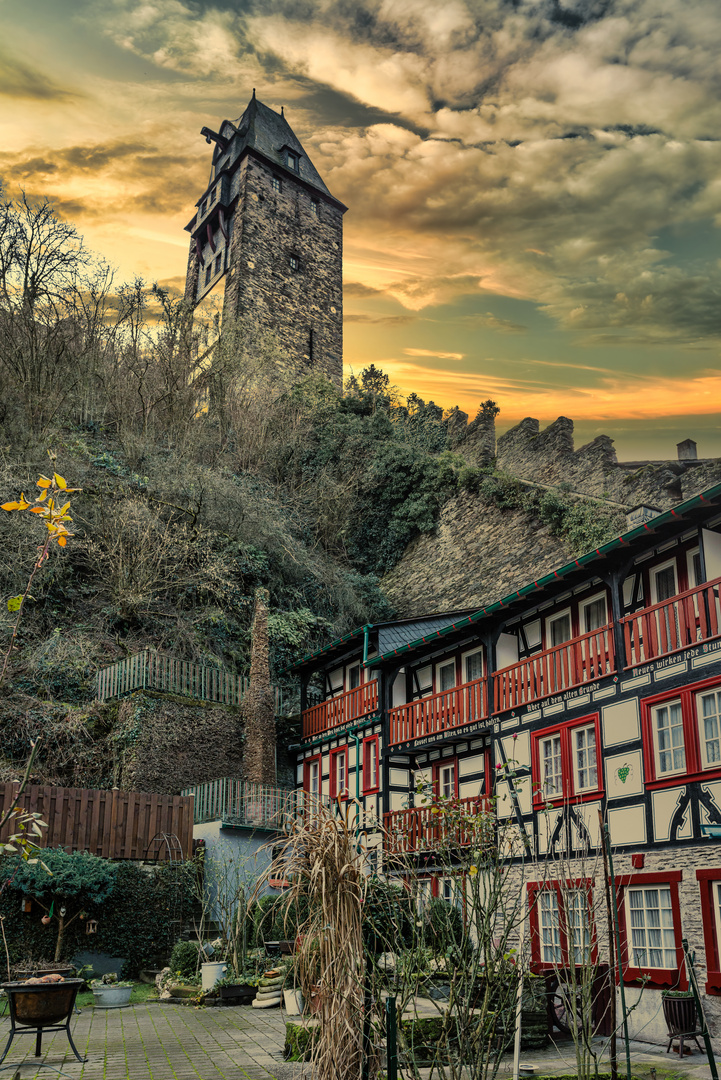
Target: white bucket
(210,973)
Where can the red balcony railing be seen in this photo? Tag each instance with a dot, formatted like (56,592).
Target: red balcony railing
(342,709)
(582,659)
(674,624)
(424,828)
(440,712)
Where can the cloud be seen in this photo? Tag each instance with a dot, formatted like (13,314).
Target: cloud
(20,80)
(378,320)
(432,352)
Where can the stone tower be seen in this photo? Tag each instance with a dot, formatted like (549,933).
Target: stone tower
(268,225)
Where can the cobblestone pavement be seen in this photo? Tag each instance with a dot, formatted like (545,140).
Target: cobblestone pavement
(155,1041)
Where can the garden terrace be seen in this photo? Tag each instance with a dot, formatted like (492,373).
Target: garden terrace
(245,804)
(426,828)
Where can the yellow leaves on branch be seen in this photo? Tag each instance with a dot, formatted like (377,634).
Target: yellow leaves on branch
(44,505)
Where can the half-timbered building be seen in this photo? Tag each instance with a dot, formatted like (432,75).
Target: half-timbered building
(599,685)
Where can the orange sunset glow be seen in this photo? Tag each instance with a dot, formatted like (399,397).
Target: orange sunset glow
(533,189)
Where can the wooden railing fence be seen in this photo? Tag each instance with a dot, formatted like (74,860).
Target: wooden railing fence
(342,709)
(150,670)
(114,824)
(581,660)
(423,828)
(439,712)
(678,623)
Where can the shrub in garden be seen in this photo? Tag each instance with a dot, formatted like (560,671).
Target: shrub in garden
(184,959)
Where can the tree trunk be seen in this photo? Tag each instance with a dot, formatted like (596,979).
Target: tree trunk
(59,943)
(259,703)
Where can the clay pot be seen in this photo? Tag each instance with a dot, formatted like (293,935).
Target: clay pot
(45,920)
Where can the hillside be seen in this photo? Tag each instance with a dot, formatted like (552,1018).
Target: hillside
(208,467)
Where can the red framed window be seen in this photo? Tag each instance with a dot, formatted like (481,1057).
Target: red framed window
(339,773)
(312,775)
(709,881)
(561,920)
(565,762)
(371,764)
(650,929)
(682,734)
(445,779)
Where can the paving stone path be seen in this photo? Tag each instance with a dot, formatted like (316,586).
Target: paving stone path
(155,1041)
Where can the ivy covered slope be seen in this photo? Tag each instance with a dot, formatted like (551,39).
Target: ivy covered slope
(208,467)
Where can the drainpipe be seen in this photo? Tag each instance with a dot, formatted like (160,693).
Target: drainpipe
(366,632)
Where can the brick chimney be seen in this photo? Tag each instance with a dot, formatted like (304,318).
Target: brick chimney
(259,702)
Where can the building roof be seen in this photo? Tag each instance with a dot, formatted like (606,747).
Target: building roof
(695,507)
(267,132)
(391,635)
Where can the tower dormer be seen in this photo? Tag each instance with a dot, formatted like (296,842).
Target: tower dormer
(269,228)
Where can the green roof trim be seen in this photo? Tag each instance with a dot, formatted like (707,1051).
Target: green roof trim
(358,632)
(666,518)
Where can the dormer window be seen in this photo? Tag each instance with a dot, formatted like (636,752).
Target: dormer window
(292,160)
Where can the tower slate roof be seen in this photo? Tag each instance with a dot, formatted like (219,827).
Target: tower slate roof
(267,132)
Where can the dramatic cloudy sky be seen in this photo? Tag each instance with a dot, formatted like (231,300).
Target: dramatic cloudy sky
(534,185)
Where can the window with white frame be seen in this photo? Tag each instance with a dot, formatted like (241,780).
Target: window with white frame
(446,676)
(583,742)
(339,773)
(664,582)
(708,709)
(312,775)
(650,919)
(473,666)
(693,566)
(446,780)
(594,613)
(370,763)
(558,628)
(353,677)
(551,767)
(578,929)
(549,926)
(668,738)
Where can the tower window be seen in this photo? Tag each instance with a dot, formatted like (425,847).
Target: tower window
(203,207)
(207,273)
(292,161)
(276,183)
(218,263)
(314,207)
(212,197)
(294,262)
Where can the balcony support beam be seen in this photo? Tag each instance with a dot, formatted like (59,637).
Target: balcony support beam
(614,579)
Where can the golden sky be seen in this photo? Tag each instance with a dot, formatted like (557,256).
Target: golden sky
(534,188)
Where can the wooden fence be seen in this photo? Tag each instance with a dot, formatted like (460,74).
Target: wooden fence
(114,824)
(150,670)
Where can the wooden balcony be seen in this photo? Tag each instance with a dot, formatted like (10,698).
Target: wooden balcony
(426,828)
(581,660)
(439,713)
(342,709)
(678,623)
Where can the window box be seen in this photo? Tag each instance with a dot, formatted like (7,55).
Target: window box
(650,929)
(566,763)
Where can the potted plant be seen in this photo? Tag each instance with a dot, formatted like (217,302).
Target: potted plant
(238,989)
(110,993)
